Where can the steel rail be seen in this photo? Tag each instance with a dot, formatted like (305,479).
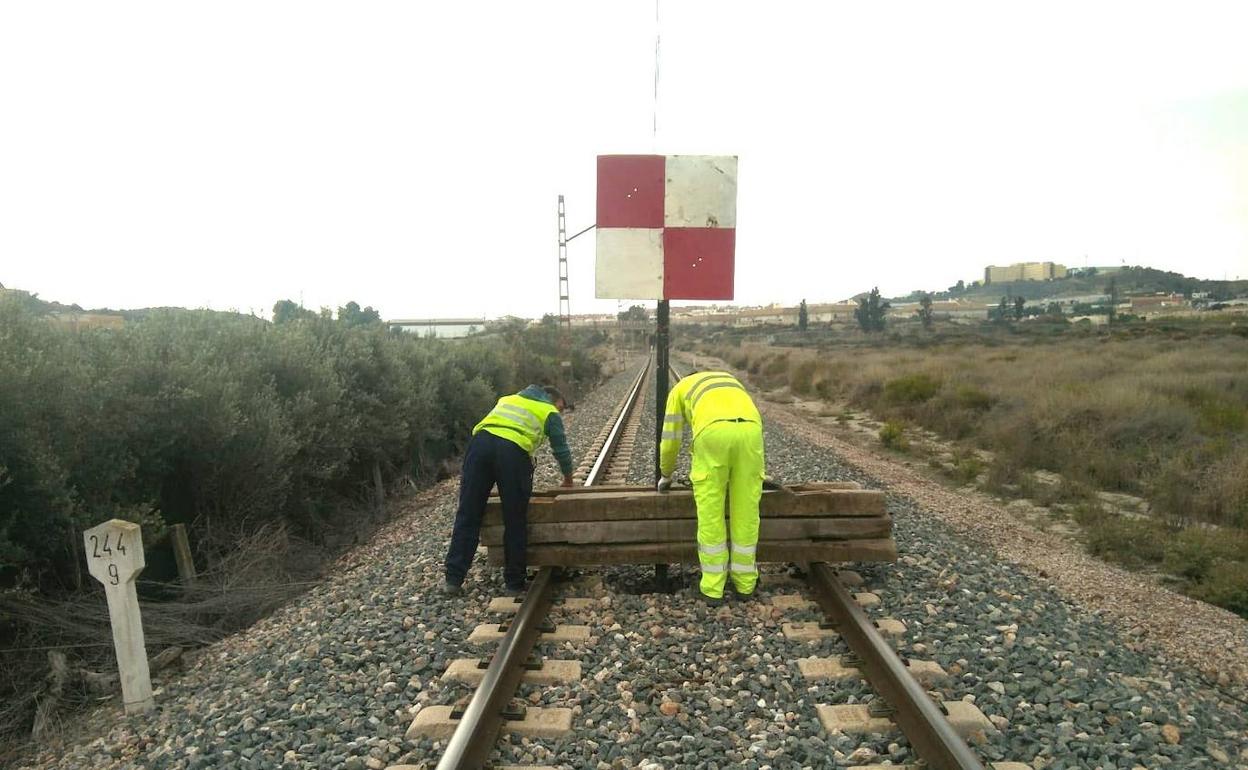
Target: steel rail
(478,727)
(608,447)
(923,722)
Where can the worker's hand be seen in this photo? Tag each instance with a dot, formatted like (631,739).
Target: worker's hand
(665,484)
(567,481)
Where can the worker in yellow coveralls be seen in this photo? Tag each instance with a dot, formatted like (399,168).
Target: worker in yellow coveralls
(727,453)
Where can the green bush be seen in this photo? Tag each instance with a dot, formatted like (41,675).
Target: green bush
(970,397)
(893,436)
(966,468)
(227,423)
(1227,587)
(910,389)
(1133,543)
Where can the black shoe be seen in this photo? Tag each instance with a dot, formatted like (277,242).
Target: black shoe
(513,590)
(452,589)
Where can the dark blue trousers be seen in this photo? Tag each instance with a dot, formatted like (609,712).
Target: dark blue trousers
(491,460)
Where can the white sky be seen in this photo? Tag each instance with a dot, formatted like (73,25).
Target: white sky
(408,155)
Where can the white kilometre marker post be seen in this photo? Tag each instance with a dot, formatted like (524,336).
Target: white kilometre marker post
(115,558)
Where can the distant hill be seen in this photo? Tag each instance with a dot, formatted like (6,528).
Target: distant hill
(40,306)
(45,307)
(1127,280)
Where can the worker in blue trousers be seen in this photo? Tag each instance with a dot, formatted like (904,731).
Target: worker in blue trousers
(501,452)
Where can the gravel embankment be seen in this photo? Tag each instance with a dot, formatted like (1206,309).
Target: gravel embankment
(334,679)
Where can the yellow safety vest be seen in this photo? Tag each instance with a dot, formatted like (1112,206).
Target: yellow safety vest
(699,400)
(519,420)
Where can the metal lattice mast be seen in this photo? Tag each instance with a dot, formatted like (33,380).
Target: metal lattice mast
(565,305)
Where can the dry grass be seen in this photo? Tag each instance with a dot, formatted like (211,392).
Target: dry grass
(1163,419)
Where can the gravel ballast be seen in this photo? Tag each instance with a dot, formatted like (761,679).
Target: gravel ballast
(334,679)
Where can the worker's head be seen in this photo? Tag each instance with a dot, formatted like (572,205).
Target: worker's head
(556,398)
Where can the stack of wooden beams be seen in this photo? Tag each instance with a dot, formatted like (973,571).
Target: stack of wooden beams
(581,526)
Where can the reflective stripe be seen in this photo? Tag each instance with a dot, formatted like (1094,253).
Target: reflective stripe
(674,419)
(516,414)
(734,567)
(713,386)
(714,567)
(744,550)
(695,392)
(671,435)
(711,550)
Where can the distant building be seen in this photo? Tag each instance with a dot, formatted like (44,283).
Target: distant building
(1024,271)
(448,328)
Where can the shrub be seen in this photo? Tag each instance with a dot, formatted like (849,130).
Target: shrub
(1131,542)
(1226,587)
(893,436)
(970,397)
(776,365)
(1189,555)
(911,389)
(226,422)
(966,468)
(801,379)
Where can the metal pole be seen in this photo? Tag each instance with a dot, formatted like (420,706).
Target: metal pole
(661,370)
(565,306)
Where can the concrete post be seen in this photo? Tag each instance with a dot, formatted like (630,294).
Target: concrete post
(114,553)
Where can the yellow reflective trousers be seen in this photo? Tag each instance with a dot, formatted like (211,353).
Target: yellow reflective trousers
(728,458)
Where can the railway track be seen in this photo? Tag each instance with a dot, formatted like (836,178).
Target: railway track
(480,721)
(933,730)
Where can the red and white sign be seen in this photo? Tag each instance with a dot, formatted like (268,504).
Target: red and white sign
(667,226)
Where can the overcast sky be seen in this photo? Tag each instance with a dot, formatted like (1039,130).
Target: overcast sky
(408,155)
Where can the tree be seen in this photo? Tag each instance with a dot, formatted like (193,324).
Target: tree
(351,315)
(925,310)
(1003,310)
(1019,305)
(871,311)
(285,311)
(803,317)
(1112,291)
(634,313)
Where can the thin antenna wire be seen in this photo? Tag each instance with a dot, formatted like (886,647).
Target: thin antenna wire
(654,125)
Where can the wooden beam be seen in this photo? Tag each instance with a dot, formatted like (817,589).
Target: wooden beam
(808,486)
(625,506)
(686,553)
(677,530)
(182,554)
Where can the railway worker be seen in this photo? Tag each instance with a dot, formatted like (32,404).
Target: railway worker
(727,453)
(501,452)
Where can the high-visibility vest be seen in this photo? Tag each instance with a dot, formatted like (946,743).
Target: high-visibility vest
(698,401)
(519,420)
